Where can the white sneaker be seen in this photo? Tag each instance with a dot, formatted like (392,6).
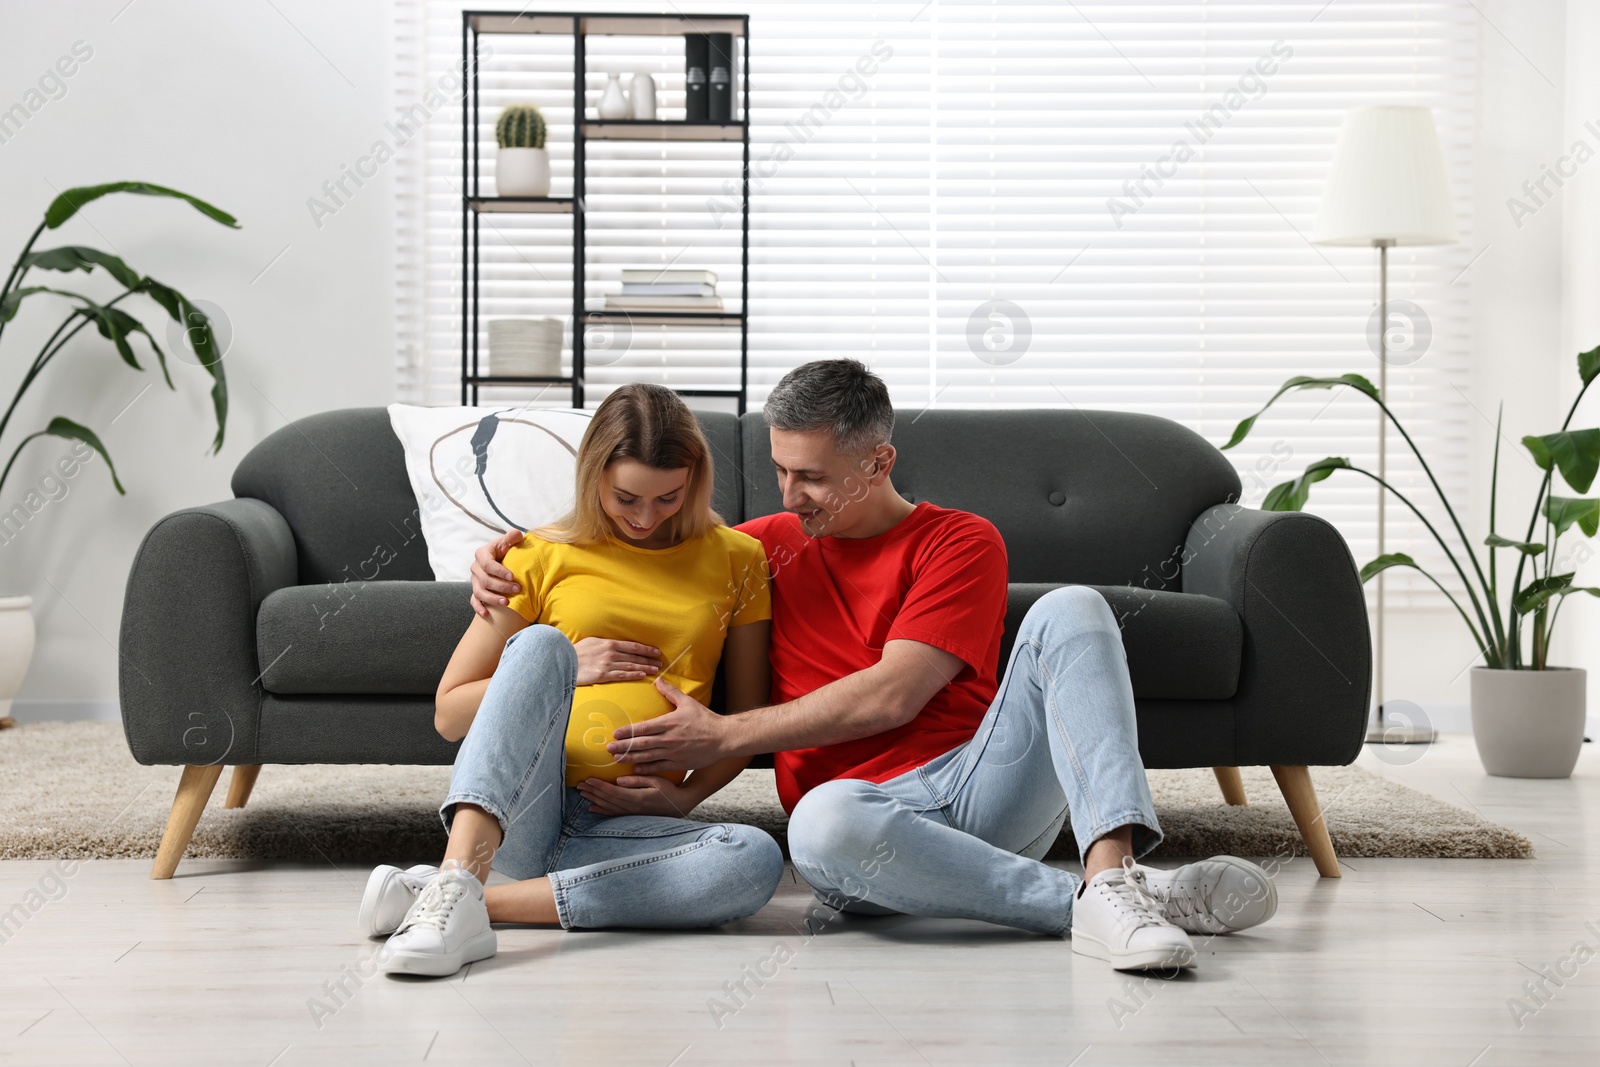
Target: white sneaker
(1214,896)
(1113,921)
(446,928)
(389,895)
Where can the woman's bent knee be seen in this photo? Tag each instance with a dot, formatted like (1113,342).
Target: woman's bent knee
(754,866)
(544,646)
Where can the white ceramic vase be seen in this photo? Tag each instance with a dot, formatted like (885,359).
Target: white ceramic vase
(522,172)
(16,646)
(642,97)
(1528,724)
(614,102)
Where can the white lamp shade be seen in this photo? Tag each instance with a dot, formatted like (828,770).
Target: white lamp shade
(1387,182)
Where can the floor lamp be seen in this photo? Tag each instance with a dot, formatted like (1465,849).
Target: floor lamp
(1386,187)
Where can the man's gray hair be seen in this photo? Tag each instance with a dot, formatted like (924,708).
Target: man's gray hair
(838,395)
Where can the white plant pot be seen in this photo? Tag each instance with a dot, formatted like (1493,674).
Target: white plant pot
(1528,724)
(522,172)
(16,646)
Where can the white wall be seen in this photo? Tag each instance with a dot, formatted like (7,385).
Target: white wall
(1578,639)
(1523,350)
(252,110)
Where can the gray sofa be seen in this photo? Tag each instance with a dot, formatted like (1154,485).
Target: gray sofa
(300,623)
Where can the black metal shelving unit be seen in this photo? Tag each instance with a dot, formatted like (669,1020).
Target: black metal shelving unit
(580,26)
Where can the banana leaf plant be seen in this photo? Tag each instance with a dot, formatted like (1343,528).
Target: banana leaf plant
(114,323)
(1496,627)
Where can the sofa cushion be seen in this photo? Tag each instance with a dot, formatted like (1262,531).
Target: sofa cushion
(1179,645)
(360,637)
(394,638)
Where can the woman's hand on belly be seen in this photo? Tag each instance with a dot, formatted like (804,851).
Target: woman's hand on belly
(601,660)
(638,794)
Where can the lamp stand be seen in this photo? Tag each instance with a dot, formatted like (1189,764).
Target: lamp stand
(1381,732)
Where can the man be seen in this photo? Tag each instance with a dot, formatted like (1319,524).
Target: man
(914,783)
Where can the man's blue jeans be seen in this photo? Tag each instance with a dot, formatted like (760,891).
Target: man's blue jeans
(630,870)
(962,835)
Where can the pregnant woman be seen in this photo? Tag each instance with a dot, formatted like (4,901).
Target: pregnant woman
(628,603)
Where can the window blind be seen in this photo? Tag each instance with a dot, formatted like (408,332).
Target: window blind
(1099,205)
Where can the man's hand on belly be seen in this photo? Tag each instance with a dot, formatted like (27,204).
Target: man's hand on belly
(684,739)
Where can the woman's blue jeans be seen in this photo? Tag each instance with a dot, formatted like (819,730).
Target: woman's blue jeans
(962,835)
(629,870)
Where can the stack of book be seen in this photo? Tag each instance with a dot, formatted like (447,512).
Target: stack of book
(666,290)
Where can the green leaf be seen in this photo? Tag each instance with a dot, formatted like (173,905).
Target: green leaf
(68,203)
(1575,452)
(1527,548)
(1563,511)
(13,300)
(78,257)
(198,327)
(1536,593)
(1292,495)
(1384,562)
(74,431)
(1355,381)
(118,327)
(1589,364)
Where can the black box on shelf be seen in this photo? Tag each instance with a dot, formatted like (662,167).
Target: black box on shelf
(722,62)
(696,77)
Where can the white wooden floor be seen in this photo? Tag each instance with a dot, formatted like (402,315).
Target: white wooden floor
(1400,961)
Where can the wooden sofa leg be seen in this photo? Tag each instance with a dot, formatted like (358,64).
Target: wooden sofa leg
(1232,784)
(1301,796)
(240,783)
(194,789)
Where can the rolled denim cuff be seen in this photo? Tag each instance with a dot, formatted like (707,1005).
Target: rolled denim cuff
(1146,833)
(559,891)
(447,812)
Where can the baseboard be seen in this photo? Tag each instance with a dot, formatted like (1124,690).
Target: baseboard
(66,710)
(1457,719)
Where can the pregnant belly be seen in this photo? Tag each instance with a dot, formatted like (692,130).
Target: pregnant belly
(598,710)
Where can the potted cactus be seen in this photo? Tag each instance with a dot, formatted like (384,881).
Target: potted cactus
(522,166)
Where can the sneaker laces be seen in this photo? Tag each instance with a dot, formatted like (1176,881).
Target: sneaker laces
(434,904)
(1131,904)
(1182,903)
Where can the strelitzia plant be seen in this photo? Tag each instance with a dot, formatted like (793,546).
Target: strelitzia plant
(114,323)
(1496,627)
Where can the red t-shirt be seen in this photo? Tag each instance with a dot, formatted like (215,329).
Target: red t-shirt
(938,576)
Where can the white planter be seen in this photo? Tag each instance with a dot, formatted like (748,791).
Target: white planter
(522,172)
(16,646)
(1528,724)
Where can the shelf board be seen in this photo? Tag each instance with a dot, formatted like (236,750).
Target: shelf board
(662,130)
(604,25)
(499,205)
(513,379)
(665,318)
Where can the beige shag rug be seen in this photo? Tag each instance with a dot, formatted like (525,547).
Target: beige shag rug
(71,790)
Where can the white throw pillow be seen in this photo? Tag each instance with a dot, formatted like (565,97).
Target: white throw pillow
(478,472)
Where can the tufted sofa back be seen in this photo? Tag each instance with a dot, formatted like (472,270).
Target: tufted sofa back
(1090,497)
(1093,497)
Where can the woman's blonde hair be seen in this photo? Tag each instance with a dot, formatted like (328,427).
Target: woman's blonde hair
(650,424)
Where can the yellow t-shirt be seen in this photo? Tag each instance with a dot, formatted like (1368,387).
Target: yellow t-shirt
(682,600)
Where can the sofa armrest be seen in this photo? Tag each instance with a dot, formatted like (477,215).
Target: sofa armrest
(188,668)
(1305,679)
